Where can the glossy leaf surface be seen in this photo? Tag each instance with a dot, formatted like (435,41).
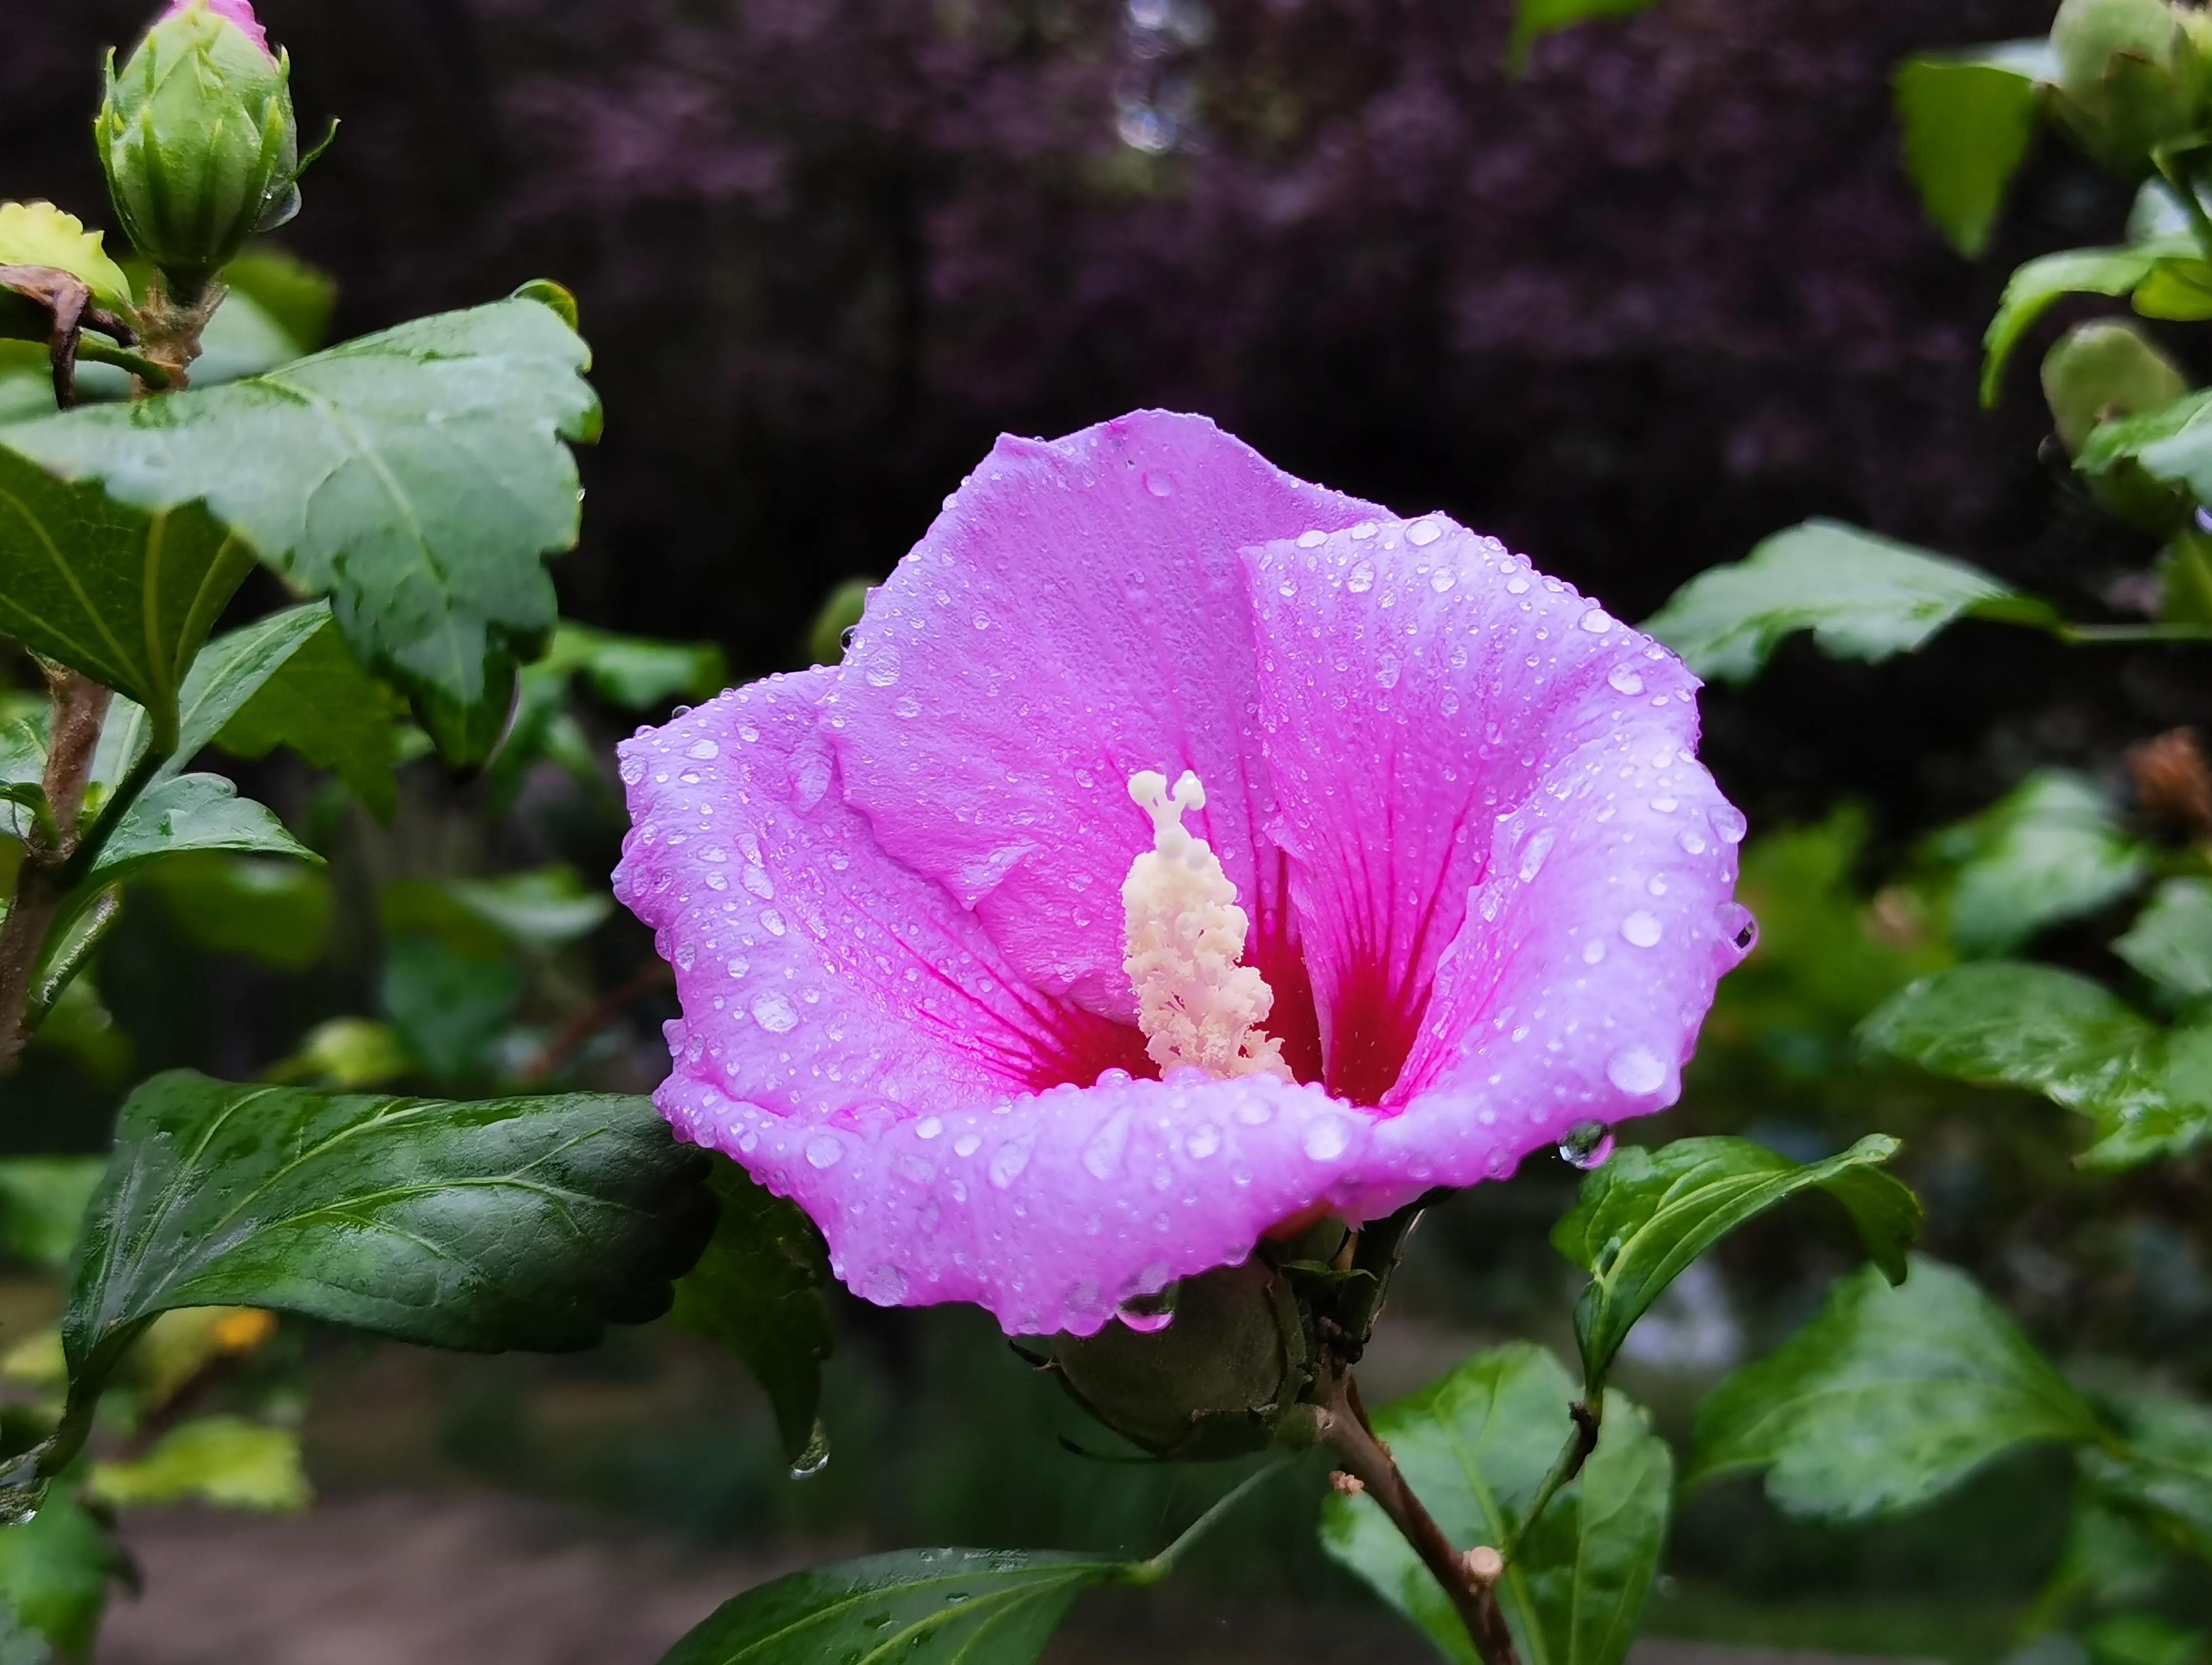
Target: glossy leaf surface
(1968,116)
(1888,1398)
(1646,1215)
(1862,597)
(2050,850)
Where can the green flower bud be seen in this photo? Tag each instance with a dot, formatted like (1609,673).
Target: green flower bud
(200,141)
(2100,370)
(1218,1382)
(2132,74)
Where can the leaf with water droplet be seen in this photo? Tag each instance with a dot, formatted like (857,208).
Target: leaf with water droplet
(1647,1214)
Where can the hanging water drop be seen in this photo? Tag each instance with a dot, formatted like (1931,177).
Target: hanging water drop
(1587,1146)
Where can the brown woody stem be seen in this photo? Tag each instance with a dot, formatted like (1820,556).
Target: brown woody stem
(42,884)
(1469,1579)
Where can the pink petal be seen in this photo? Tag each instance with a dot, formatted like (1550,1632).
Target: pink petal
(1417,683)
(852,1036)
(239,12)
(1076,615)
(1049,1210)
(818,976)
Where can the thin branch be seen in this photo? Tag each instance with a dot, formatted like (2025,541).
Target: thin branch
(79,706)
(572,1039)
(1470,1579)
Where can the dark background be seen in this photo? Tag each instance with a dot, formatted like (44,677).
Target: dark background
(1663,296)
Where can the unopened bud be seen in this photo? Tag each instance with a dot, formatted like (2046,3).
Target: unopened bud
(199,141)
(2132,74)
(2096,373)
(1218,1382)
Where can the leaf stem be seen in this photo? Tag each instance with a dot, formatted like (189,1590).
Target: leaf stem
(2088,635)
(155,375)
(42,884)
(1587,1413)
(1470,1579)
(1151,1571)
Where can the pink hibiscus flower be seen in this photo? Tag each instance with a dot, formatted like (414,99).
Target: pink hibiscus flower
(1449,882)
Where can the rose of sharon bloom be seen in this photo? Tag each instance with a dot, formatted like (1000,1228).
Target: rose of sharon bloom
(239,12)
(1438,880)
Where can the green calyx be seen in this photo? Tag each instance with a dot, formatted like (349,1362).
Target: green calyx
(1220,1381)
(2132,74)
(200,145)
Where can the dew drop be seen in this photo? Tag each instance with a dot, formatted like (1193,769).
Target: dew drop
(967,1145)
(1361,577)
(1597,621)
(928,1128)
(704,749)
(1422,533)
(1532,858)
(883,667)
(1637,1071)
(1729,822)
(1102,1155)
(907,706)
(1159,484)
(1326,1138)
(1739,927)
(1442,578)
(824,1151)
(1203,1142)
(1594,950)
(1586,1145)
(816,1457)
(1312,540)
(778,1016)
(1642,929)
(1625,680)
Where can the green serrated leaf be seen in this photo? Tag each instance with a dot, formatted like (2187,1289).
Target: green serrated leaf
(221,1460)
(760,1290)
(1646,1215)
(1968,116)
(1475,1448)
(122,594)
(2171,941)
(2050,850)
(925,1606)
(2037,285)
(517,1222)
(2173,445)
(2003,1024)
(1888,1398)
(540,909)
(1862,597)
(290,680)
(191,813)
(418,477)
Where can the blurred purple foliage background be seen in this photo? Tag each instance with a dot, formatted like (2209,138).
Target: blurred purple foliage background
(1663,295)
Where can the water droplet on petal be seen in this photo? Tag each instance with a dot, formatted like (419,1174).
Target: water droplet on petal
(1102,1155)
(1586,1145)
(1597,621)
(1636,1070)
(1641,928)
(1594,950)
(928,1128)
(703,750)
(1739,927)
(1532,858)
(778,1016)
(1625,680)
(1361,579)
(1422,533)
(883,667)
(1312,540)
(1326,1138)
(824,1151)
(1729,822)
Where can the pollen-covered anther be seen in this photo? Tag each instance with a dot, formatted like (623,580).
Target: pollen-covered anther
(1198,1003)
